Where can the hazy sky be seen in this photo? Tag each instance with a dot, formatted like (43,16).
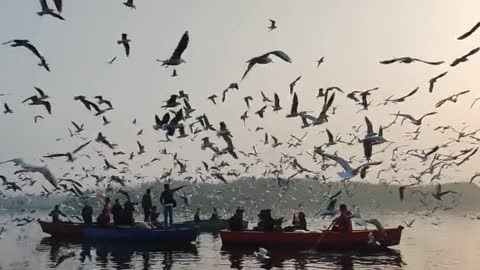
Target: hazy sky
(352,35)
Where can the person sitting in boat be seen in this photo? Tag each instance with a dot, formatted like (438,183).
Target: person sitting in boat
(267,223)
(342,223)
(154,217)
(298,223)
(214,214)
(117,212)
(147,204)
(87,213)
(236,222)
(105,217)
(128,209)
(168,201)
(56,213)
(196,218)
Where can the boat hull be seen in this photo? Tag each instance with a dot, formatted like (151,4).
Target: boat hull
(312,240)
(63,229)
(210,226)
(134,234)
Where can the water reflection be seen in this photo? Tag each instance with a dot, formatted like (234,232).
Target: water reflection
(389,258)
(119,255)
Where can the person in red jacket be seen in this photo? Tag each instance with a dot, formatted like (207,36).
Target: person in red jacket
(342,223)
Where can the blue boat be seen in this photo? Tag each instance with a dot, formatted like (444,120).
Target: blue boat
(183,235)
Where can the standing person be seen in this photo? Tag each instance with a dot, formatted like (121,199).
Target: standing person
(214,214)
(147,205)
(168,202)
(87,213)
(196,218)
(117,211)
(56,213)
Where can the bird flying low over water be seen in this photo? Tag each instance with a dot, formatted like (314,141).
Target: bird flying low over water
(408,60)
(348,172)
(176,58)
(265,59)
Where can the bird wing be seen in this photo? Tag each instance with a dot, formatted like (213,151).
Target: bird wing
(467,34)
(391,61)
(44,5)
(428,114)
(127,48)
(434,63)
(250,65)
(294,108)
(58,5)
(339,160)
(33,49)
(182,45)
(48,106)
(367,149)
(330,136)
(277,100)
(411,93)
(40,91)
(80,147)
(165,119)
(369,126)
(281,55)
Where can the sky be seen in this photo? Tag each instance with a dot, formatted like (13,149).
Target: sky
(353,36)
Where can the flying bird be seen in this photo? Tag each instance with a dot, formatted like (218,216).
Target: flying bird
(452,98)
(414,121)
(292,84)
(113,60)
(438,193)
(126,43)
(46,10)
(348,172)
(176,58)
(247,100)
(469,32)
(265,59)
(130,4)
(6,108)
(408,60)
(434,80)
(464,58)
(273,25)
(320,61)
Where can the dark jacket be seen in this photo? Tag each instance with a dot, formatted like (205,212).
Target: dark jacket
(146,201)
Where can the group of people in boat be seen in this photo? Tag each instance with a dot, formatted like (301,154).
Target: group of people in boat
(266,223)
(117,214)
(214,216)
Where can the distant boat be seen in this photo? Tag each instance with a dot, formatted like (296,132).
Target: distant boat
(313,239)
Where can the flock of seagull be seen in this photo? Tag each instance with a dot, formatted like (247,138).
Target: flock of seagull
(181,121)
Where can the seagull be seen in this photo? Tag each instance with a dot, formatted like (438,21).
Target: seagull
(292,84)
(141,148)
(176,58)
(7,108)
(69,155)
(403,98)
(265,98)
(320,61)
(212,98)
(125,42)
(265,59)
(261,111)
(174,73)
(105,121)
(247,100)
(331,140)
(101,101)
(409,224)
(464,58)
(262,254)
(467,34)
(348,172)
(111,61)
(276,106)
(171,102)
(452,98)
(48,11)
(272,25)
(408,60)
(24,43)
(434,80)
(34,169)
(130,4)
(275,142)
(35,100)
(294,107)
(414,121)
(438,194)
(37,117)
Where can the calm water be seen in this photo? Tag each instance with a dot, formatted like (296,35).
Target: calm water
(452,244)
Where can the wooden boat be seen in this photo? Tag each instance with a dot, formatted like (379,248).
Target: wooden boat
(182,235)
(312,240)
(64,229)
(212,226)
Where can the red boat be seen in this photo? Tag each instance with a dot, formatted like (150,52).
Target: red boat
(64,229)
(312,240)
